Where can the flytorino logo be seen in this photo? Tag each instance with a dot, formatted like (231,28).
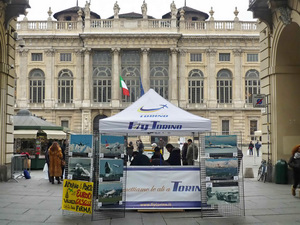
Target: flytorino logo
(154,126)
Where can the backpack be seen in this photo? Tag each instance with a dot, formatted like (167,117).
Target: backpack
(26,174)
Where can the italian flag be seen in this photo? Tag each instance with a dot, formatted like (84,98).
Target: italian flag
(124,87)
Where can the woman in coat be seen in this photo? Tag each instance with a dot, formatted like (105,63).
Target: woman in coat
(294,163)
(55,156)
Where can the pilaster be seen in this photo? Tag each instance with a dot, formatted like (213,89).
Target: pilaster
(115,101)
(173,78)
(50,86)
(238,84)
(182,78)
(211,78)
(87,78)
(22,82)
(78,87)
(145,76)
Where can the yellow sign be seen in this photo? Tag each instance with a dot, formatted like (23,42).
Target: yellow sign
(77,196)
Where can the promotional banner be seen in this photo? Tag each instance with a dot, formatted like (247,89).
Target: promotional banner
(77,196)
(163,187)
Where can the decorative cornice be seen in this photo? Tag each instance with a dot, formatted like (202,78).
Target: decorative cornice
(116,50)
(211,52)
(145,50)
(23,52)
(237,52)
(50,52)
(174,50)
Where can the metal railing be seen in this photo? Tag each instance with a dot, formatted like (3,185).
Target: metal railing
(19,163)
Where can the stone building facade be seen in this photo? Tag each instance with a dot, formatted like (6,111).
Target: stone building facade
(69,71)
(280,66)
(9,11)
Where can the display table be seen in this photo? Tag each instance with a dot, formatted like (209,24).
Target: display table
(163,187)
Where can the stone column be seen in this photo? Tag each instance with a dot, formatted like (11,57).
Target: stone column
(78,78)
(182,78)
(22,82)
(115,82)
(145,72)
(87,78)
(238,100)
(50,85)
(211,78)
(173,85)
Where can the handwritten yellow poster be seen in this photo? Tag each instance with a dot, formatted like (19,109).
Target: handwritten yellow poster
(77,196)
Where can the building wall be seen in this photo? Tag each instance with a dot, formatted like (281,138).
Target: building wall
(8,16)
(279,55)
(208,38)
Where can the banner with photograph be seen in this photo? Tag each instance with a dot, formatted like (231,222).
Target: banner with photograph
(163,187)
(77,196)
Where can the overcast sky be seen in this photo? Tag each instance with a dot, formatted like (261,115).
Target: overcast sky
(223,8)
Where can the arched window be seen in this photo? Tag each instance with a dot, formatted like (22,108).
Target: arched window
(102,76)
(65,86)
(224,86)
(252,85)
(37,86)
(130,61)
(96,123)
(159,72)
(196,81)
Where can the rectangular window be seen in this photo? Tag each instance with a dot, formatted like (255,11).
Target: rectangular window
(65,57)
(253,128)
(196,57)
(252,57)
(225,127)
(65,123)
(36,56)
(224,57)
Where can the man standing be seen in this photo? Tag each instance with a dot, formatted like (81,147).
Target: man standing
(192,152)
(161,145)
(174,158)
(257,146)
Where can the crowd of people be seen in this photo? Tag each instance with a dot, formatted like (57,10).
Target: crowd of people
(176,157)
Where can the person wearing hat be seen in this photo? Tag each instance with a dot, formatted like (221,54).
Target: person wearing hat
(139,159)
(192,152)
(174,158)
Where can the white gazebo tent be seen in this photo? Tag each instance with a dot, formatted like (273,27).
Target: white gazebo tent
(150,115)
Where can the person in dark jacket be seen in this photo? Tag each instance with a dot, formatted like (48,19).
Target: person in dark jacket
(157,159)
(250,147)
(174,158)
(294,163)
(184,152)
(139,159)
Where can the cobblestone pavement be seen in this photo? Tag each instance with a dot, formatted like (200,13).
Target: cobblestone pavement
(36,201)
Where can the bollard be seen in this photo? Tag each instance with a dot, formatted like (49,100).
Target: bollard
(249,173)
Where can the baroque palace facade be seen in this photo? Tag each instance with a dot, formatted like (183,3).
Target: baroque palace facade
(68,69)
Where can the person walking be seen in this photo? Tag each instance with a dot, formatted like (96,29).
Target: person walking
(63,150)
(257,146)
(161,145)
(192,152)
(55,156)
(294,163)
(250,147)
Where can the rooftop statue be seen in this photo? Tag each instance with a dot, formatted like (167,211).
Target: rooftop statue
(116,10)
(173,10)
(144,10)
